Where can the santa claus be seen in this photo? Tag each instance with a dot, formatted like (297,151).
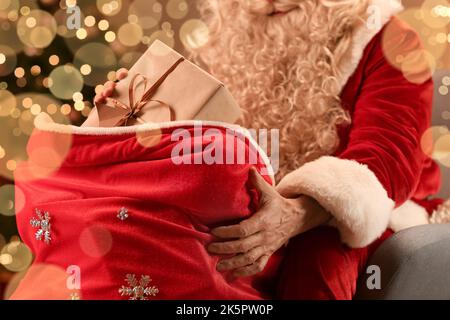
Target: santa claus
(352,169)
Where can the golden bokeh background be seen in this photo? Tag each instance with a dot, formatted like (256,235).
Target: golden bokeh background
(47,67)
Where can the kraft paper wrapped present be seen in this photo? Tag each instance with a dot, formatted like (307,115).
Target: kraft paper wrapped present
(164,86)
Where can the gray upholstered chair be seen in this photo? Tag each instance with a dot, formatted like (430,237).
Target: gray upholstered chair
(413,264)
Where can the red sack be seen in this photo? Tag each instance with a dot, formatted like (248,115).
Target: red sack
(127,220)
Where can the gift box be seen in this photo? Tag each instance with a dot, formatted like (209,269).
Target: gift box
(164,86)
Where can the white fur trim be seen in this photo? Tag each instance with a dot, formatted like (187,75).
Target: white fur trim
(44,122)
(383,11)
(408,215)
(350,191)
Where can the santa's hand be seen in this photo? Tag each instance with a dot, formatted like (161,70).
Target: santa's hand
(109,87)
(257,238)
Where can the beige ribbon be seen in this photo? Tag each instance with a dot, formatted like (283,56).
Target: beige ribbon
(135,105)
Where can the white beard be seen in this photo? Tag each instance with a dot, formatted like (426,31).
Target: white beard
(282,69)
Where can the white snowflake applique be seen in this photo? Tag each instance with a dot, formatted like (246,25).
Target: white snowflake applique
(122,213)
(138,290)
(42,223)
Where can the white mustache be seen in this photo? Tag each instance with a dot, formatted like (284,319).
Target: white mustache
(285,5)
(267,7)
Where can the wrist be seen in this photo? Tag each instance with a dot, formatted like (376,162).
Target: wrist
(310,214)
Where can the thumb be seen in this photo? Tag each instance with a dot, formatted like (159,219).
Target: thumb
(260,184)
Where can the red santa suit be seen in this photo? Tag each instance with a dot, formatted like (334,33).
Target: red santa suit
(126,215)
(379,177)
(373,182)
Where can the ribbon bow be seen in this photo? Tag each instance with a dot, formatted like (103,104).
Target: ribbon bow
(135,105)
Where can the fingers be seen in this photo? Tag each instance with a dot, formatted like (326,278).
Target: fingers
(244,229)
(236,246)
(99,99)
(260,184)
(121,74)
(110,86)
(252,269)
(108,90)
(242,260)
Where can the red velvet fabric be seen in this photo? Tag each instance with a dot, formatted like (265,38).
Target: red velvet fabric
(171,210)
(318,266)
(389,116)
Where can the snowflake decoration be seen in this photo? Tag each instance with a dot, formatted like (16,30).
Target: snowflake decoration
(122,213)
(43,224)
(74,296)
(138,290)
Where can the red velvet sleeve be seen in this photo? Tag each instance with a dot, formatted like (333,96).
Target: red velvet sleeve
(380,162)
(390,116)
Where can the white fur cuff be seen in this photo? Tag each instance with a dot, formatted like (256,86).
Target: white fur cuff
(350,191)
(408,215)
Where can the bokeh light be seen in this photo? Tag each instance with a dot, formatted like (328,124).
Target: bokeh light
(149,139)
(9,37)
(442,150)
(16,129)
(194,33)
(110,36)
(46,153)
(418,61)
(89,21)
(130,34)
(19,72)
(53,59)
(166,37)
(147,13)
(103,25)
(66,80)
(7,7)
(85,69)
(129,59)
(429,138)
(429,12)
(37,29)
(16,256)
(8,103)
(44,281)
(11,201)
(109,7)
(7,200)
(177,9)
(8,60)
(100,58)
(95,241)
